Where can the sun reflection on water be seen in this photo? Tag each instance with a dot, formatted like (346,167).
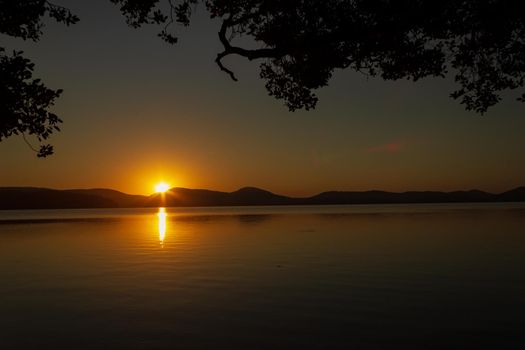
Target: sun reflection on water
(162,225)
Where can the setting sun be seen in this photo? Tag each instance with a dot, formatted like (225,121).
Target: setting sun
(162,187)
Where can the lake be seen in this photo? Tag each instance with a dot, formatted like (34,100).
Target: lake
(433,276)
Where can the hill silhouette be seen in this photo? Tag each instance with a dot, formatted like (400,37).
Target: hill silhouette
(45,198)
(184,197)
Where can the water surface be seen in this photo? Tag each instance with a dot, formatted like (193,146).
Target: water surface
(328,277)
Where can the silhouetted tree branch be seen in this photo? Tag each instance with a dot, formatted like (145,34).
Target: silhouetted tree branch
(25,101)
(234,50)
(481,44)
(302,42)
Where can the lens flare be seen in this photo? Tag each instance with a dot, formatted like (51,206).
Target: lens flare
(162,187)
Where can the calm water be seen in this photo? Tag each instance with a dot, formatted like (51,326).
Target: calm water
(341,277)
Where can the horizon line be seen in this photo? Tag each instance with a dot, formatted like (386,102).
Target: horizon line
(259,188)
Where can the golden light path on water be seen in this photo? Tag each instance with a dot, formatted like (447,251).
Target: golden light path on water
(162,224)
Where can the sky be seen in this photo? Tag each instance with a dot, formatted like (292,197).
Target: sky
(137,111)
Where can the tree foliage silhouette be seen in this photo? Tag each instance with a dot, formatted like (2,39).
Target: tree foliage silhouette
(300,43)
(24,100)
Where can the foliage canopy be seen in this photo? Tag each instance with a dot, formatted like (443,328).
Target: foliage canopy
(300,44)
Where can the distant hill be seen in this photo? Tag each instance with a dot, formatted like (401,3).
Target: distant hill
(45,198)
(183,197)
(378,197)
(515,195)
(120,199)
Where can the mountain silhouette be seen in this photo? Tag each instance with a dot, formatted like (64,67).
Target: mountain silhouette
(45,198)
(515,195)
(119,199)
(184,197)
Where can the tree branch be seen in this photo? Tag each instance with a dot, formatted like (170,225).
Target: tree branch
(220,56)
(235,50)
(28,143)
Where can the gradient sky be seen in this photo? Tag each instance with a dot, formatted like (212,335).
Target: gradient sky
(137,111)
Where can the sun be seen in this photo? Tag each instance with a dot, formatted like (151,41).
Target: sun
(162,187)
